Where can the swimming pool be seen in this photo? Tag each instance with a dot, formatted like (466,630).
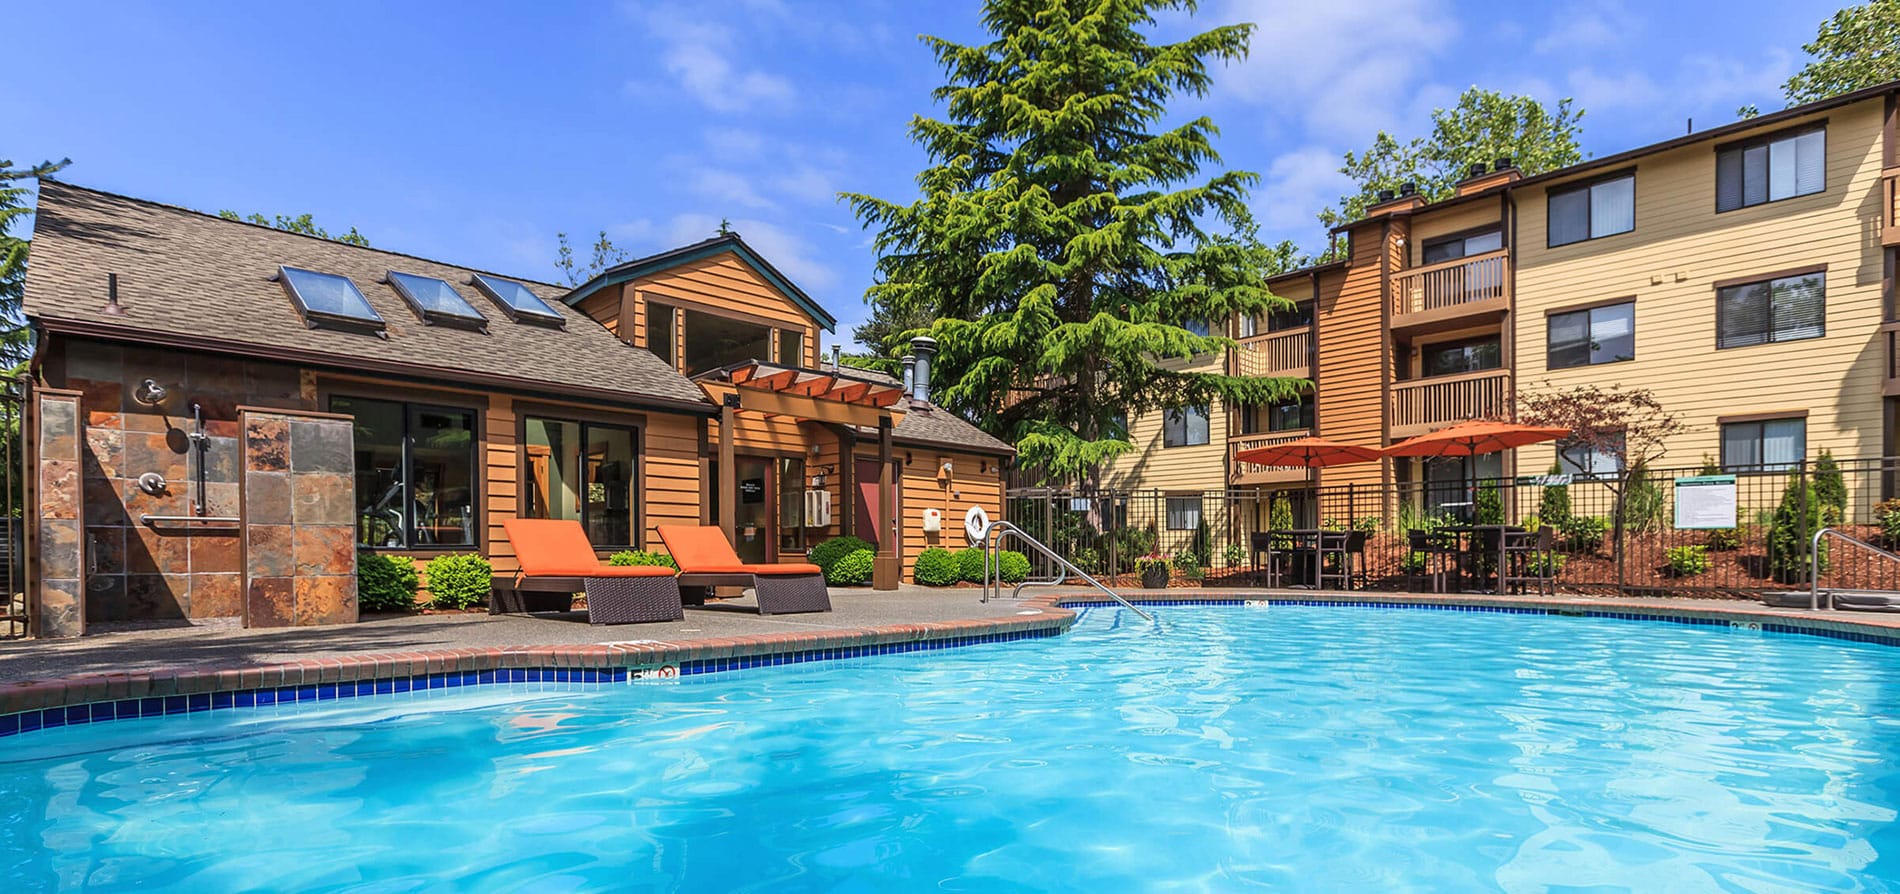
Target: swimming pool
(1301,748)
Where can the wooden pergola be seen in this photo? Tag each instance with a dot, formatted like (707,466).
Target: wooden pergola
(821,395)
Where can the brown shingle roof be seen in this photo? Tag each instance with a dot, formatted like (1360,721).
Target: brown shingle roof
(933,425)
(194,279)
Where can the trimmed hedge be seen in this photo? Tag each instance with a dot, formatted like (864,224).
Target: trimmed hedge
(854,570)
(1013,567)
(936,568)
(970,564)
(827,554)
(459,580)
(628,557)
(385,583)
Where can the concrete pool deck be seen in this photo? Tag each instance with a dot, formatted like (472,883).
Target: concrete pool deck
(188,664)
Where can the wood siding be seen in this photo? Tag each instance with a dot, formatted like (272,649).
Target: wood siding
(1351,362)
(1669,264)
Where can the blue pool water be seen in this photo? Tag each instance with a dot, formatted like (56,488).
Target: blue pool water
(1293,748)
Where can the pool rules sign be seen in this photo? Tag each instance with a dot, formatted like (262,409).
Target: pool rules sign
(1705,501)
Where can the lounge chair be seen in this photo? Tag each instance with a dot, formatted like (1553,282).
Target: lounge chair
(557,562)
(706,560)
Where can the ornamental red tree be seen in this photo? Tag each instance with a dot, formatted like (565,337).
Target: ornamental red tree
(1629,424)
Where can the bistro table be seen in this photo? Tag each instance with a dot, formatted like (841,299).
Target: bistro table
(1475,542)
(1298,543)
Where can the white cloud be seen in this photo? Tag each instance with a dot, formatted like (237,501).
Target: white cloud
(734,142)
(729,187)
(1589,27)
(1311,61)
(1600,91)
(1297,185)
(790,254)
(699,55)
(809,184)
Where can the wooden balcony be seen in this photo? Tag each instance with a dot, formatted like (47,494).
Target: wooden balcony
(1451,293)
(1890,207)
(1250,474)
(1276,354)
(1420,405)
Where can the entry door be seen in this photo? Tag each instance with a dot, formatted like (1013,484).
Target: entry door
(752,524)
(866,522)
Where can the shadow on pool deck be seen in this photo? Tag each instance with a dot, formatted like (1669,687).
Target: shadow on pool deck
(189,647)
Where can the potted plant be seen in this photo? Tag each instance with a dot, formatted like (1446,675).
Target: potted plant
(1155,570)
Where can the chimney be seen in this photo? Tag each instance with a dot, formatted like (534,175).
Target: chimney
(113,308)
(1408,188)
(910,374)
(1502,172)
(1503,163)
(1386,195)
(837,355)
(1474,170)
(925,348)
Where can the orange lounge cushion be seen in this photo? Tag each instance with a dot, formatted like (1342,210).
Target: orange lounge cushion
(785,568)
(599,570)
(701,549)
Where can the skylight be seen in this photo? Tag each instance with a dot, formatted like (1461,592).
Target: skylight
(435,301)
(326,298)
(521,305)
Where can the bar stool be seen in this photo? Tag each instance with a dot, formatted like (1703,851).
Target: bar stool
(1436,553)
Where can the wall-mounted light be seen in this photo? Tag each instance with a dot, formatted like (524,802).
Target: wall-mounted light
(149,393)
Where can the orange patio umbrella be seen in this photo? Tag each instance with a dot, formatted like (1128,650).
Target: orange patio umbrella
(1473,437)
(1312,453)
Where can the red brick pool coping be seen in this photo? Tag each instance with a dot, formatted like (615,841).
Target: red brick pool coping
(1045,615)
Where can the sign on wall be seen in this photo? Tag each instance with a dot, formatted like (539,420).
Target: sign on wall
(1705,501)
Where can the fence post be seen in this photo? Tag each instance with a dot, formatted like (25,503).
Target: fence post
(1352,506)
(1801,480)
(1616,526)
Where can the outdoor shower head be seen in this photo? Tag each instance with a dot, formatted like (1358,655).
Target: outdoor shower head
(149,393)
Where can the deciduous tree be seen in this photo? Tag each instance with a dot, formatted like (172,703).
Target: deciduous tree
(1481,128)
(302,223)
(1629,424)
(1063,240)
(605,254)
(1859,47)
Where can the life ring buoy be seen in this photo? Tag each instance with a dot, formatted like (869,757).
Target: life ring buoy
(975,522)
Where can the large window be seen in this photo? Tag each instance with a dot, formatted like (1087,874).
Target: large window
(1787,308)
(1600,209)
(1299,316)
(1198,327)
(1765,445)
(661,330)
(791,347)
(1453,357)
(1603,461)
(1184,427)
(1293,415)
(1184,513)
(1588,337)
(588,473)
(1451,248)
(415,474)
(1770,170)
(713,341)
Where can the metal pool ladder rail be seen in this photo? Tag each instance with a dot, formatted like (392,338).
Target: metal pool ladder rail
(992,537)
(1814,564)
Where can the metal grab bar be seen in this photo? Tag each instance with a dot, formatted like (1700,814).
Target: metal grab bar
(1814,564)
(154,519)
(992,536)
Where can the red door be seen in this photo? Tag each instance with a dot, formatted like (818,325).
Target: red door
(865,518)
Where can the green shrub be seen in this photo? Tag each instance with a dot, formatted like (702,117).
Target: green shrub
(1012,566)
(1131,542)
(459,580)
(1830,490)
(1790,531)
(385,583)
(827,554)
(1188,564)
(1643,502)
(1489,506)
(1086,558)
(935,567)
(1553,505)
(1235,555)
(1887,515)
(1723,540)
(628,557)
(1202,544)
(1280,518)
(854,570)
(1687,561)
(970,564)
(1546,564)
(1583,533)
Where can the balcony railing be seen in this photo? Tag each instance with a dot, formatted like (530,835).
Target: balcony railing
(1424,404)
(1890,207)
(1254,473)
(1287,353)
(1478,283)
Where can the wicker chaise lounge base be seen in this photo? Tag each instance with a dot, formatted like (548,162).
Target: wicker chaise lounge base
(706,560)
(557,562)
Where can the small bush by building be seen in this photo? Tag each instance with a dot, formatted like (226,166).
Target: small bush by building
(459,580)
(827,554)
(935,567)
(638,557)
(853,570)
(385,583)
(970,565)
(1012,566)
(1688,561)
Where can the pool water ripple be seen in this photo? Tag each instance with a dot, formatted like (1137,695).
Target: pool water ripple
(1296,748)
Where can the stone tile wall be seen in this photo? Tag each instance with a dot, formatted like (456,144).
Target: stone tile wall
(59,598)
(143,572)
(299,509)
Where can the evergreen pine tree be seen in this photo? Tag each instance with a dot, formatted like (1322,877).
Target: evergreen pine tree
(1062,244)
(1830,489)
(16,339)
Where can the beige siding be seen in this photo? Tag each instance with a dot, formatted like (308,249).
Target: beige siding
(1151,466)
(1456,219)
(1669,264)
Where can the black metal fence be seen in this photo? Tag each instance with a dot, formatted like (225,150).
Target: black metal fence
(1642,532)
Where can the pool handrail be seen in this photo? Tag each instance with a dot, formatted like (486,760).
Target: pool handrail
(1814,563)
(992,536)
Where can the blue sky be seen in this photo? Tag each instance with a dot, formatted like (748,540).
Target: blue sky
(473,132)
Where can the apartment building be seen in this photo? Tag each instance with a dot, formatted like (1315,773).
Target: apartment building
(1741,273)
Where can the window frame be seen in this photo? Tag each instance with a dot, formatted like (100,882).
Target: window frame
(1568,467)
(636,440)
(1460,237)
(1307,414)
(673,347)
(1424,370)
(477,495)
(1585,186)
(1768,140)
(1207,419)
(1168,510)
(1550,319)
(1768,279)
(1760,421)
